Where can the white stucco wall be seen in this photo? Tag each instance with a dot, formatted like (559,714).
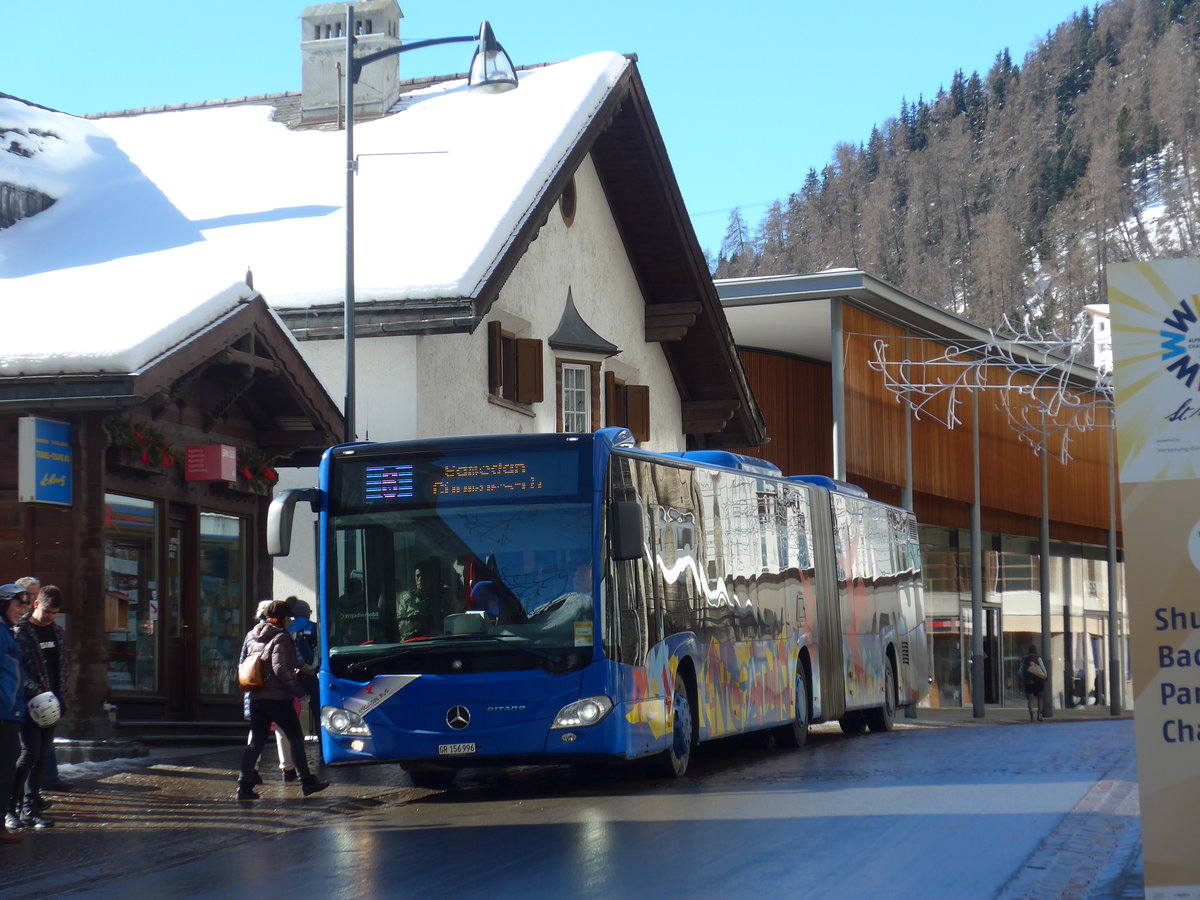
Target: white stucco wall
(589,258)
(386,391)
(412,387)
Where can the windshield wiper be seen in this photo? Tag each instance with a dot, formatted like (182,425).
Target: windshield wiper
(441,640)
(532,651)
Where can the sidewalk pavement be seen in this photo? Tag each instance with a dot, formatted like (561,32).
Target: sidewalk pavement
(174,804)
(1095,853)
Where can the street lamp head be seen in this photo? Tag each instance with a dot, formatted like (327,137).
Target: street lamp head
(492,70)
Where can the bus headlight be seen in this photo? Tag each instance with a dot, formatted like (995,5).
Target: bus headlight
(343,723)
(582,713)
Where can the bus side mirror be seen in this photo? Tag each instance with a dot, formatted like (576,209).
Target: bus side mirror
(279,517)
(625,526)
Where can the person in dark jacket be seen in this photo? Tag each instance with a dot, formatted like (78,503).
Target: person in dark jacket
(1032,684)
(274,701)
(304,633)
(43,646)
(282,746)
(13,603)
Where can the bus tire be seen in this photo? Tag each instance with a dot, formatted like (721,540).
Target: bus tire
(795,733)
(673,761)
(431,778)
(882,718)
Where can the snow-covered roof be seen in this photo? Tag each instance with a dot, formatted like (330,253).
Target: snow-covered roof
(157,216)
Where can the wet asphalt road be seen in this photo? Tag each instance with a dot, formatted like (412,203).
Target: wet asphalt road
(921,812)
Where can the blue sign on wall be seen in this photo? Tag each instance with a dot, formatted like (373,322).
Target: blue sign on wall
(45,461)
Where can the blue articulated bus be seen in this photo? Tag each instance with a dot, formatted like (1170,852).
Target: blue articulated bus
(568,598)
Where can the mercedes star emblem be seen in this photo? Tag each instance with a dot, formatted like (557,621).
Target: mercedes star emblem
(458,717)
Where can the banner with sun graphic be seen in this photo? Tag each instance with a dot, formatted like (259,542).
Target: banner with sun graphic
(1155,311)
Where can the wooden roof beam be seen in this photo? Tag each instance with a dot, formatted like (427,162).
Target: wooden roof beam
(707,416)
(670,321)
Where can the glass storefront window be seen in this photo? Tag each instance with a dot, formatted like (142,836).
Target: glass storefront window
(223,614)
(131,612)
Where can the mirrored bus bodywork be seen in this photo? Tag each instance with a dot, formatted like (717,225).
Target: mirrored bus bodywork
(565,598)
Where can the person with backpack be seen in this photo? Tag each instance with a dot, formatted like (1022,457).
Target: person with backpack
(1032,675)
(272,693)
(304,632)
(283,746)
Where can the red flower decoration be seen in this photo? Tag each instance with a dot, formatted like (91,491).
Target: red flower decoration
(137,436)
(146,457)
(270,474)
(247,475)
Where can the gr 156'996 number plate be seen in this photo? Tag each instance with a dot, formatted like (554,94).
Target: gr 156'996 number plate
(455,749)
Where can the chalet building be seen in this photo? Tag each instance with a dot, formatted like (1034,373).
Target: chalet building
(522,262)
(136,464)
(864,382)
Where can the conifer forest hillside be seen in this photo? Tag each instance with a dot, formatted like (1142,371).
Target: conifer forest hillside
(1010,191)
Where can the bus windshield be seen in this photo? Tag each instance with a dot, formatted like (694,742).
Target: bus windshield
(426,582)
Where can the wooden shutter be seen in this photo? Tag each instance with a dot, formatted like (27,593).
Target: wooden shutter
(495,359)
(530,381)
(614,400)
(637,411)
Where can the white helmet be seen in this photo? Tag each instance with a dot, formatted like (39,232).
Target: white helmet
(44,709)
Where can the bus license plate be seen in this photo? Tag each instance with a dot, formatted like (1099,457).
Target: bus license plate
(455,749)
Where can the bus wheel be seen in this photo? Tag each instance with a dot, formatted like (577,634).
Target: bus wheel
(675,758)
(431,777)
(853,723)
(882,718)
(795,733)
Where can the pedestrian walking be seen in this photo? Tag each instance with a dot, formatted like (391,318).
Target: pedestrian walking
(43,647)
(304,633)
(283,747)
(272,702)
(1032,675)
(50,779)
(13,602)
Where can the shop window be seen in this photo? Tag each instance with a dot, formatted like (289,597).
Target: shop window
(627,405)
(514,366)
(131,609)
(224,610)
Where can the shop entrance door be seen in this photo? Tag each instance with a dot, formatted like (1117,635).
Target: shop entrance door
(992,659)
(179,660)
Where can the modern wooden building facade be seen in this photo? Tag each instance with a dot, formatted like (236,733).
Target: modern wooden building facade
(828,356)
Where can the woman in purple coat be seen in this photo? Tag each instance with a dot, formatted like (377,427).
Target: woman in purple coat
(274,701)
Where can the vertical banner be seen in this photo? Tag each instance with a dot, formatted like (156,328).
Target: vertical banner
(1155,310)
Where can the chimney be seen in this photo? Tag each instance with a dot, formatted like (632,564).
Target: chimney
(323,52)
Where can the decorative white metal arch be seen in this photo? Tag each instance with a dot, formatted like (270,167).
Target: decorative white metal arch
(1028,370)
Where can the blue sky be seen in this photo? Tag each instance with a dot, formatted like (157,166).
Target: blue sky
(748,95)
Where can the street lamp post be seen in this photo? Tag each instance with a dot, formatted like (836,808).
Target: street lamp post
(491,72)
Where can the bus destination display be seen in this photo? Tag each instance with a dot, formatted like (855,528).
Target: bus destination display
(488,477)
(388,483)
